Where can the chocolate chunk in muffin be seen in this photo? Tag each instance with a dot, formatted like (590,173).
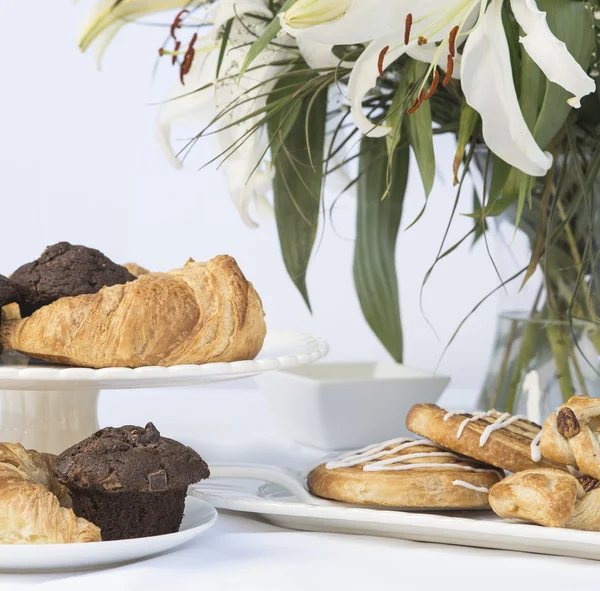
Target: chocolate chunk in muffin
(130,481)
(65,270)
(8,291)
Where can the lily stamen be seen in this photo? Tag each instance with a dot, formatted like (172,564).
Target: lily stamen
(452,40)
(407,29)
(419,102)
(177,47)
(381,58)
(434,84)
(449,71)
(177,22)
(188,59)
(421,41)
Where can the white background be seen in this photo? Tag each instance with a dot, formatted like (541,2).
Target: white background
(79,162)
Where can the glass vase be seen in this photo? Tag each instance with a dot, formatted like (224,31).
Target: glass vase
(538,363)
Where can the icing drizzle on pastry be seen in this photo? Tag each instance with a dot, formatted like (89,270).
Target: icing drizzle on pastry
(536,454)
(475,417)
(373,453)
(464,484)
(504,420)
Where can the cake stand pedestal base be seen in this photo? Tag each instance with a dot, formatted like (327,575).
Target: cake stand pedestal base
(48,420)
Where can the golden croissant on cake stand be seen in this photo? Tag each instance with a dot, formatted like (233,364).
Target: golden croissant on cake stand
(180,328)
(201,313)
(198,315)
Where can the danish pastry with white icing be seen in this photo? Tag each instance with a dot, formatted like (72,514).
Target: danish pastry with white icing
(405,473)
(507,442)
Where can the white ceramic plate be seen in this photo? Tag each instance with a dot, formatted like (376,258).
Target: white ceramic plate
(281,350)
(198,517)
(268,494)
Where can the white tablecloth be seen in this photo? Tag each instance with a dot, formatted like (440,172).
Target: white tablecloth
(232,423)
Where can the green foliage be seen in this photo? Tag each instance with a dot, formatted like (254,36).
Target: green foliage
(298,181)
(419,129)
(381,189)
(270,32)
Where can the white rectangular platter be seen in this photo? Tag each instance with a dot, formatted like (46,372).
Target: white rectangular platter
(480,529)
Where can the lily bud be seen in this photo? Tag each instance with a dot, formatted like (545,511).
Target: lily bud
(310,13)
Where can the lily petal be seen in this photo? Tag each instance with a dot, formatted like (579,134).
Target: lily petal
(488,86)
(364,77)
(187,105)
(364,21)
(109,13)
(318,55)
(550,53)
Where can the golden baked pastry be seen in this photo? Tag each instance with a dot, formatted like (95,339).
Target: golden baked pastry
(31,499)
(31,514)
(135,269)
(570,435)
(505,441)
(405,473)
(202,313)
(549,497)
(11,312)
(18,462)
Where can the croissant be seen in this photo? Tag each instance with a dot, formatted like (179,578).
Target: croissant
(571,435)
(548,497)
(135,269)
(31,514)
(202,313)
(31,499)
(18,462)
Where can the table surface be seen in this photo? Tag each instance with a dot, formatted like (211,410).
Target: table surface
(232,423)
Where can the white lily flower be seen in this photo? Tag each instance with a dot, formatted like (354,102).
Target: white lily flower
(431,31)
(203,97)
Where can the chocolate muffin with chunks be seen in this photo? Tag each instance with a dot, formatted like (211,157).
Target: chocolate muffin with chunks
(130,481)
(65,270)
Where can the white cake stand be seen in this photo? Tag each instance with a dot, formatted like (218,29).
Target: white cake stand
(50,408)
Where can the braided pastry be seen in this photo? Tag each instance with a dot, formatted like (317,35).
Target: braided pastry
(31,499)
(570,435)
(549,497)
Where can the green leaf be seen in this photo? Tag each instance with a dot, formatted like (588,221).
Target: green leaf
(419,127)
(223,48)
(260,44)
(481,226)
(395,115)
(500,173)
(283,119)
(380,201)
(469,118)
(297,187)
(571,22)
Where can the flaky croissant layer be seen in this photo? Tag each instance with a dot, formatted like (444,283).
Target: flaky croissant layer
(201,313)
(34,506)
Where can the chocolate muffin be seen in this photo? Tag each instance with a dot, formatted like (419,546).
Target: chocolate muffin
(65,270)
(130,481)
(8,291)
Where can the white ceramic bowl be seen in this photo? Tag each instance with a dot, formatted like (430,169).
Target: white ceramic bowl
(341,406)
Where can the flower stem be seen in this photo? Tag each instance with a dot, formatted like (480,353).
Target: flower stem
(559,341)
(527,352)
